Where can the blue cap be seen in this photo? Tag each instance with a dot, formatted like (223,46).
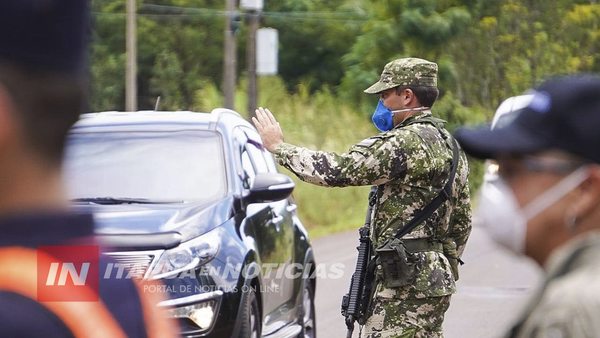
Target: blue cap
(564,114)
(49,35)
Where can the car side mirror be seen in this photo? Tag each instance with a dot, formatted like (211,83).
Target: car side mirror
(270,188)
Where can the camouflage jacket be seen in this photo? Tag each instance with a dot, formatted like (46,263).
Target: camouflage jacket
(410,164)
(568,305)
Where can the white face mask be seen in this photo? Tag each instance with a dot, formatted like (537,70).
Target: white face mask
(499,213)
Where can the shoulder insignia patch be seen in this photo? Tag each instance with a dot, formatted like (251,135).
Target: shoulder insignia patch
(367,142)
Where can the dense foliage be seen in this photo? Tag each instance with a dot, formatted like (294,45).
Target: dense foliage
(330,50)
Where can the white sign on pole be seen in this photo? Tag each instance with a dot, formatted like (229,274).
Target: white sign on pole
(266,51)
(251,5)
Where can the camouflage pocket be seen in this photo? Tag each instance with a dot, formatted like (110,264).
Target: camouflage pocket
(387,322)
(452,256)
(395,265)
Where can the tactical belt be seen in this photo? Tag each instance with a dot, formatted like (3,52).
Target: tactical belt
(413,245)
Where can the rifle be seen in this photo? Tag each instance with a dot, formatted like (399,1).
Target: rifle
(356,302)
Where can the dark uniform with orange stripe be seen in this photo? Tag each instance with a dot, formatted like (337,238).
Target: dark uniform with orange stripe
(22,316)
(43,79)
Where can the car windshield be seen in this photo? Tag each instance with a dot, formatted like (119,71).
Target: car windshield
(143,167)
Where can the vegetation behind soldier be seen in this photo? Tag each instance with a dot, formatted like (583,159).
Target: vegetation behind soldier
(410,162)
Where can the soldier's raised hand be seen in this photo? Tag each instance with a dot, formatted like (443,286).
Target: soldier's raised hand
(268,128)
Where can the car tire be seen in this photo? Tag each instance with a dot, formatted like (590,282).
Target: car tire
(251,321)
(308,319)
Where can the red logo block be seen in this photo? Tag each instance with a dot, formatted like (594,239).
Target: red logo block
(68,273)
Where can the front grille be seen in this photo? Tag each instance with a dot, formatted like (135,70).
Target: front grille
(135,264)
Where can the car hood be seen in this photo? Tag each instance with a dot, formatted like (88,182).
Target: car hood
(188,219)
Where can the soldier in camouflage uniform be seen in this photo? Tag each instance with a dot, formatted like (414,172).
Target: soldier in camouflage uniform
(410,163)
(545,202)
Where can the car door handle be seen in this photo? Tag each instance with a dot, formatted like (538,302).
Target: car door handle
(277,219)
(291,208)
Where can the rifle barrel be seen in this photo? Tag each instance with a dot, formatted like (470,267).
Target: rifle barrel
(353,300)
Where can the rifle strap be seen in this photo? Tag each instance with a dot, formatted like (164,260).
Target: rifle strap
(372,209)
(441,197)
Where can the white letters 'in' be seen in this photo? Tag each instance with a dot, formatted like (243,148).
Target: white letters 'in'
(67,269)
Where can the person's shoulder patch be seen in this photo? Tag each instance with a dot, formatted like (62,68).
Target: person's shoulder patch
(367,142)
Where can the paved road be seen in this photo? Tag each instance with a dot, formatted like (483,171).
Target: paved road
(492,290)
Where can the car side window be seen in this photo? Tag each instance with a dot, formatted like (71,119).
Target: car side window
(249,172)
(260,151)
(270,162)
(253,162)
(256,155)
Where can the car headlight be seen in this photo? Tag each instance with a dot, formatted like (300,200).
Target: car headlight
(188,255)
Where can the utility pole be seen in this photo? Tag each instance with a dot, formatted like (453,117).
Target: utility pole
(253,23)
(229,56)
(131,69)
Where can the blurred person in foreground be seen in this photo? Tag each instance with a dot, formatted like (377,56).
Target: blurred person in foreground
(411,162)
(43,47)
(545,203)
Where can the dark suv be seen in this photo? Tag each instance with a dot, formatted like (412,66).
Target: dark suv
(194,200)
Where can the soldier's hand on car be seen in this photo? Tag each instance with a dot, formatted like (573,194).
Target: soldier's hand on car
(268,128)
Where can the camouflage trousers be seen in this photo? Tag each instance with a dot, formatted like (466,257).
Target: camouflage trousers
(407,318)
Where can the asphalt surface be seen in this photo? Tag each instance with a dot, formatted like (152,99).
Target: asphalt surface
(492,291)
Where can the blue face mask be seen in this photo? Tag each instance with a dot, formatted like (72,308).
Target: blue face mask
(383,118)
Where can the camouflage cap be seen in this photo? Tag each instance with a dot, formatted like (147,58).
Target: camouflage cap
(406,72)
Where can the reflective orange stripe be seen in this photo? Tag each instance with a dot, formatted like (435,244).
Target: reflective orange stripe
(18,274)
(157,326)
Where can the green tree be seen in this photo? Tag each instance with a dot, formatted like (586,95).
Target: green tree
(399,28)
(581,33)
(167,81)
(512,46)
(108,56)
(313,37)
(185,32)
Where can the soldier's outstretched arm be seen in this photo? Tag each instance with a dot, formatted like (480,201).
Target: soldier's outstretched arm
(373,161)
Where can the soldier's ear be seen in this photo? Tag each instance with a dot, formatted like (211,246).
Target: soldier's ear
(405,93)
(409,96)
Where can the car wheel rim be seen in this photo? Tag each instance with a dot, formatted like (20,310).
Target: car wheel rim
(308,320)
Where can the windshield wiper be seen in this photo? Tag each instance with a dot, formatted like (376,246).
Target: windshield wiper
(122,200)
